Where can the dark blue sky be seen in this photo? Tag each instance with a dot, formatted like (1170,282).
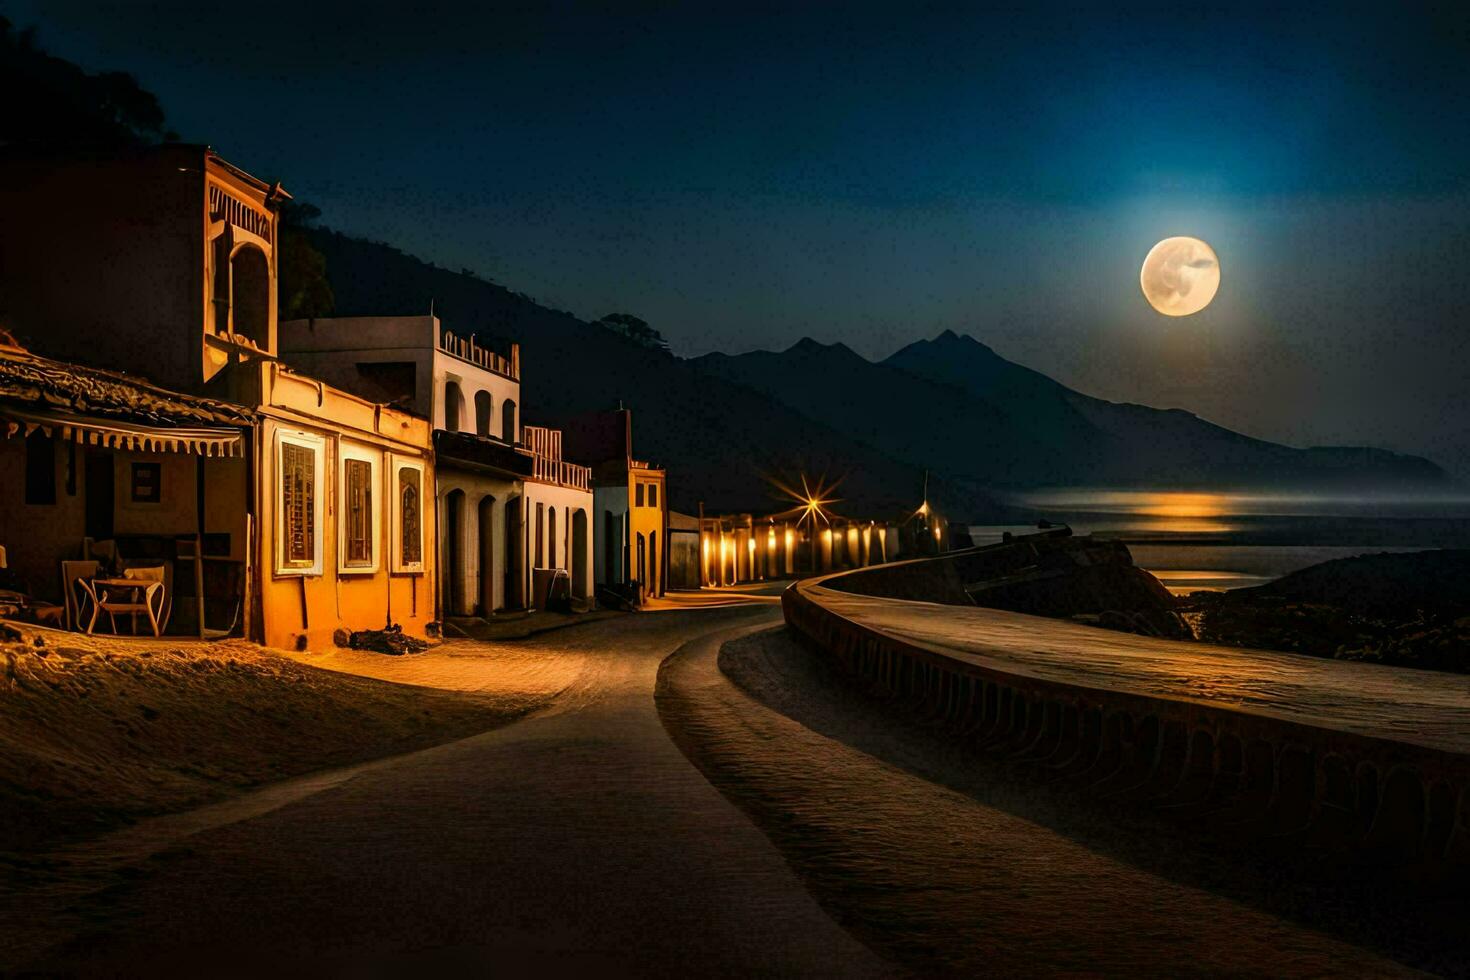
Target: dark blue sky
(875,176)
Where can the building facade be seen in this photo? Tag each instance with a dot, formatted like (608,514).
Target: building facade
(472,396)
(510,507)
(631,506)
(162,261)
(557,516)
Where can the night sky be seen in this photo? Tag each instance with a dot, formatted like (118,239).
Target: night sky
(873,177)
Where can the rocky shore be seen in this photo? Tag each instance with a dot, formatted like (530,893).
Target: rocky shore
(1406,610)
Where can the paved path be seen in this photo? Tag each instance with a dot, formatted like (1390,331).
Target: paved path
(928,855)
(1422,707)
(579,839)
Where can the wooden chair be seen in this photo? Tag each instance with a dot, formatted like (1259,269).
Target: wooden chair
(150,605)
(167,610)
(76,592)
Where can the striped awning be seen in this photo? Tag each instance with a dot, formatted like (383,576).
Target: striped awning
(215,442)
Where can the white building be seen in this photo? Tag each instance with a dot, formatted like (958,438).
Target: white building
(508,504)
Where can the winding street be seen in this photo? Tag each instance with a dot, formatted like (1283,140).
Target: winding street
(582,839)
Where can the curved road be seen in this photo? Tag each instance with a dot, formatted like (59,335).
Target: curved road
(581,838)
(578,839)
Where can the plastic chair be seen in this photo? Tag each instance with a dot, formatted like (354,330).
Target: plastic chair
(148,606)
(76,591)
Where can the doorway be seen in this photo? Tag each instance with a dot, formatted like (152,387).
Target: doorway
(513,599)
(487,555)
(454,553)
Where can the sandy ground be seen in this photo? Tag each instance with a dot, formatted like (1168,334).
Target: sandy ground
(96,732)
(937,861)
(578,839)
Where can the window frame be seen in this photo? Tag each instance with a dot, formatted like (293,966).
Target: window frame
(318,445)
(356,452)
(396,464)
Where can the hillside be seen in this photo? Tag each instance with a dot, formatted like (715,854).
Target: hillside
(722,441)
(726,426)
(1000,440)
(1138,445)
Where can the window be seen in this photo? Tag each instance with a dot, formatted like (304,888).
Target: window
(298,503)
(508,422)
(638,495)
(482,413)
(453,406)
(359,513)
(408,519)
(147,483)
(653,495)
(40,469)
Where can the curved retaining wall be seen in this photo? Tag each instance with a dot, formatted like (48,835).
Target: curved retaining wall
(1242,773)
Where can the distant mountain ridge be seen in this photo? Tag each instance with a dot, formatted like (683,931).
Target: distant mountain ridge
(723,443)
(954,404)
(726,426)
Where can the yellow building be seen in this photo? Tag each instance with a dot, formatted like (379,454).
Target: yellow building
(162,261)
(631,505)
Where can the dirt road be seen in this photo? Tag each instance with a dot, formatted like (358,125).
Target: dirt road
(578,839)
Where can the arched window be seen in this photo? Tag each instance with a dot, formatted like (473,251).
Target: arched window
(508,430)
(482,413)
(453,406)
(250,295)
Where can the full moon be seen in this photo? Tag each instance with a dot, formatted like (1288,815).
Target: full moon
(1180,276)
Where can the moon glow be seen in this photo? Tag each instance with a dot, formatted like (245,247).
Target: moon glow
(1180,276)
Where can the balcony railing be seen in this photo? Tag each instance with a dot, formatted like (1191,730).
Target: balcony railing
(560,472)
(544,445)
(468,349)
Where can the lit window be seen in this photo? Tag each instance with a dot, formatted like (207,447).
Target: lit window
(359,512)
(409,521)
(299,502)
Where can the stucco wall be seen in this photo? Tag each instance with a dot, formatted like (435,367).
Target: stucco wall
(467,590)
(302,610)
(567,502)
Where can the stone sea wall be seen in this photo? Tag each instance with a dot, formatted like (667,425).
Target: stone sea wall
(1234,771)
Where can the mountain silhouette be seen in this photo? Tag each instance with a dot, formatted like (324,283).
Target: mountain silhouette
(731,427)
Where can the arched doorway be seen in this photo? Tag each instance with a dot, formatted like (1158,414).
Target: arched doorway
(580,586)
(453,574)
(487,555)
(513,549)
(508,430)
(553,550)
(250,295)
(482,413)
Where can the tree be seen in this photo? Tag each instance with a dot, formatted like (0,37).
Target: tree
(637,330)
(52,101)
(303,289)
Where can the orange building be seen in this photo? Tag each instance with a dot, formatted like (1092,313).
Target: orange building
(163,262)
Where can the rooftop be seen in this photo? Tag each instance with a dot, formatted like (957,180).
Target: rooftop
(29,381)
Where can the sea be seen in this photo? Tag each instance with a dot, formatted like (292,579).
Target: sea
(1202,540)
